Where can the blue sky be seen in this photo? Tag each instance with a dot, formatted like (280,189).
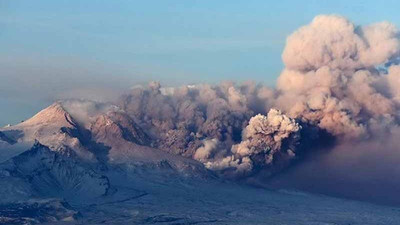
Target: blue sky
(50,49)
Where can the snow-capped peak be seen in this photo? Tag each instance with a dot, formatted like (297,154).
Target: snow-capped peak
(54,115)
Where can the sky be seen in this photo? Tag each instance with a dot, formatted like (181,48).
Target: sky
(52,50)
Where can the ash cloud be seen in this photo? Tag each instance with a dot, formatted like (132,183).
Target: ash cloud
(86,111)
(331,77)
(264,139)
(335,42)
(343,79)
(216,125)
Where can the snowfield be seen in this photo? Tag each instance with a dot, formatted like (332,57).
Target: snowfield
(173,200)
(157,193)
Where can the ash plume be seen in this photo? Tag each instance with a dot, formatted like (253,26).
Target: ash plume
(263,139)
(332,78)
(183,117)
(343,79)
(231,128)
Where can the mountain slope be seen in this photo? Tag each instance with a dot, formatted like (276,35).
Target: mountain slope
(176,200)
(6,140)
(128,144)
(38,211)
(45,173)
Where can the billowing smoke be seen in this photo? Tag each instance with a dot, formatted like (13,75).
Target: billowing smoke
(334,79)
(225,126)
(344,79)
(263,140)
(86,111)
(205,152)
(181,118)
(335,42)
(340,86)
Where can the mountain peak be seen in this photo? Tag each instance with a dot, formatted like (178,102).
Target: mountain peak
(117,126)
(55,114)
(53,126)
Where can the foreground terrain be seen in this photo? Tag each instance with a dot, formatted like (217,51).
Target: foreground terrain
(143,194)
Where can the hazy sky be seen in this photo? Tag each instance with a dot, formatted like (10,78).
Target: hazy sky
(59,49)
